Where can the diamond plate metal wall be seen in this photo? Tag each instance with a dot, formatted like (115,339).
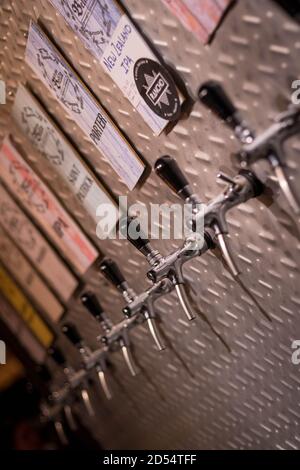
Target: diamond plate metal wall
(195,394)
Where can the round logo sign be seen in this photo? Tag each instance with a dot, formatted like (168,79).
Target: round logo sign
(157,88)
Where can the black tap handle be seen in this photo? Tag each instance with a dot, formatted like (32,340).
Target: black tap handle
(111,271)
(44,373)
(214,97)
(168,170)
(130,228)
(57,356)
(92,305)
(71,332)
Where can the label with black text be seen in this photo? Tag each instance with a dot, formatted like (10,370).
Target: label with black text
(53,146)
(113,39)
(89,115)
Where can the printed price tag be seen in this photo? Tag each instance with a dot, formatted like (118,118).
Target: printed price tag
(16,325)
(45,208)
(49,140)
(66,86)
(17,299)
(28,279)
(113,40)
(200,17)
(31,242)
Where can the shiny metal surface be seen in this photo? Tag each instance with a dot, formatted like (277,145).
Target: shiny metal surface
(195,394)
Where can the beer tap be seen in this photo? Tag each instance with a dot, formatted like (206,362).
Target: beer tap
(166,272)
(142,304)
(127,226)
(239,189)
(212,217)
(267,145)
(48,412)
(92,304)
(60,360)
(71,332)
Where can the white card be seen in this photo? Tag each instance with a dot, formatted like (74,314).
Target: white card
(113,40)
(53,146)
(66,86)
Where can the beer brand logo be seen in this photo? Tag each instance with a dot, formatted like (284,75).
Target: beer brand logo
(157,88)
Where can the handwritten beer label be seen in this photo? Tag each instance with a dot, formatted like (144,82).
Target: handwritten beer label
(16,325)
(81,106)
(120,47)
(200,17)
(31,242)
(29,280)
(48,139)
(45,208)
(21,304)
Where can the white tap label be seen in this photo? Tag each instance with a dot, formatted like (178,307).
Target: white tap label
(81,106)
(45,208)
(20,330)
(31,242)
(53,146)
(28,279)
(113,40)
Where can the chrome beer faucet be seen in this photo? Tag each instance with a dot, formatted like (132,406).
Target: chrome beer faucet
(60,360)
(137,304)
(130,225)
(72,333)
(212,216)
(268,145)
(93,306)
(53,413)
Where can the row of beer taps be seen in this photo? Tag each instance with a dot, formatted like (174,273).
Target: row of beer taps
(166,271)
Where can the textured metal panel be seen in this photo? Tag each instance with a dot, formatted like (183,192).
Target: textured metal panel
(195,394)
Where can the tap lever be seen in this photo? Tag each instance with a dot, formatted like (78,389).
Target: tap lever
(168,170)
(57,355)
(130,227)
(87,402)
(226,253)
(112,273)
(44,373)
(72,333)
(129,359)
(92,305)
(214,97)
(285,186)
(61,433)
(103,383)
(70,418)
(155,333)
(222,176)
(182,295)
